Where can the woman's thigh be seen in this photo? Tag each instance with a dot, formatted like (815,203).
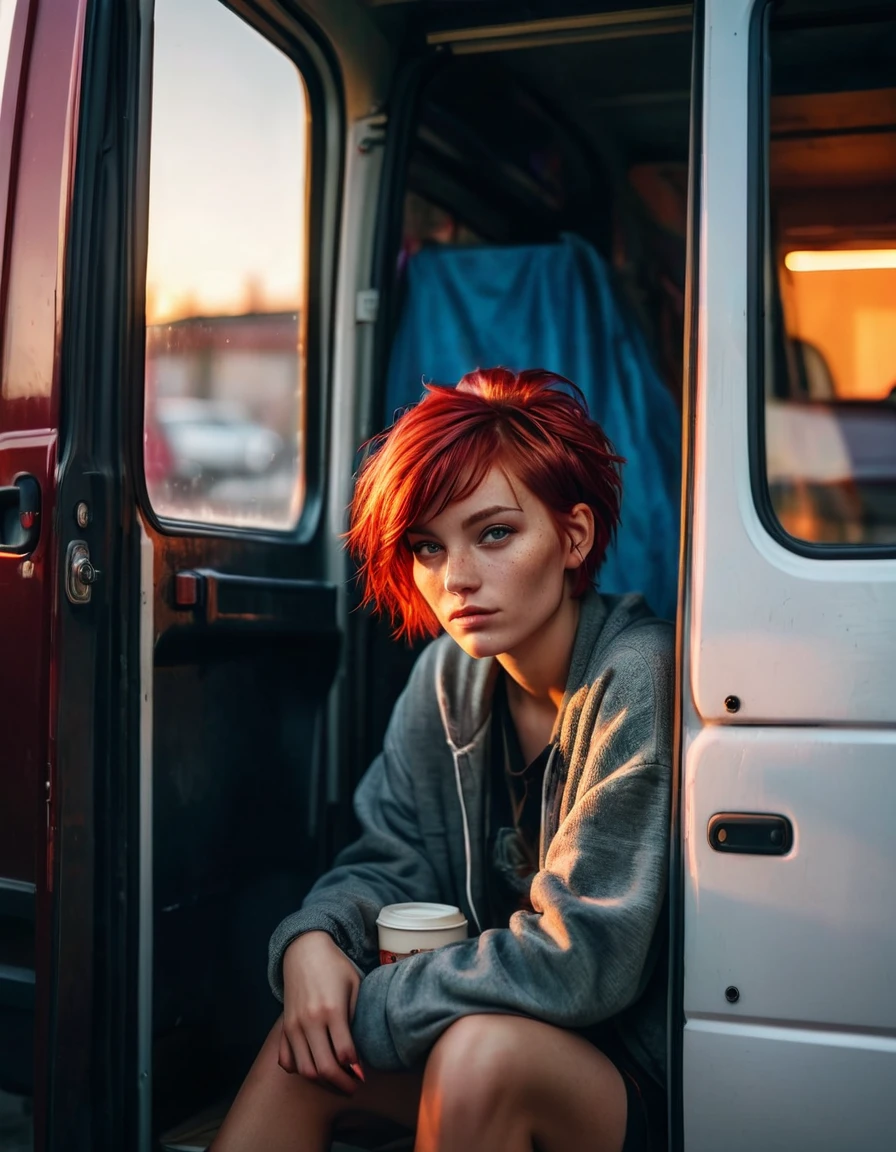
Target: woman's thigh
(283,1112)
(524,1081)
(506,1078)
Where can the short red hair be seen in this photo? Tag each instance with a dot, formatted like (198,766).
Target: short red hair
(534,423)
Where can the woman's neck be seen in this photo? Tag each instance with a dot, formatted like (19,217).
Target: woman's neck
(537,671)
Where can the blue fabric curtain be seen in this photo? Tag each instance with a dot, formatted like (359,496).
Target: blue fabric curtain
(554,306)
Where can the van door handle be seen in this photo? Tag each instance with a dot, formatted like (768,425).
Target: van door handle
(20,516)
(751,833)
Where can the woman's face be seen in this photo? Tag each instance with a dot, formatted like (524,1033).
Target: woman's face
(493,566)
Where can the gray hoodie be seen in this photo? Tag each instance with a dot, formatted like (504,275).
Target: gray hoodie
(589,951)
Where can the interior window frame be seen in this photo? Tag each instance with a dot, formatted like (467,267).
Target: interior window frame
(299,44)
(760,274)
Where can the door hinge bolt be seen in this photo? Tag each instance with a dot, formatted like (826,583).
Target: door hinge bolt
(82,514)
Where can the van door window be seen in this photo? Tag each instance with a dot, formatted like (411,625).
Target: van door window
(830,307)
(226,273)
(7,11)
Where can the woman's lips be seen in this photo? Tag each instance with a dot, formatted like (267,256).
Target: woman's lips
(477,618)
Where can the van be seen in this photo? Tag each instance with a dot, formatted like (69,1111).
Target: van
(236,237)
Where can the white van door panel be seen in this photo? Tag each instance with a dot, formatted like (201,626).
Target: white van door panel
(789,1006)
(793,638)
(784,1090)
(806,938)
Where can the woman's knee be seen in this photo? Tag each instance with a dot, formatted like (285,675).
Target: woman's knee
(473,1065)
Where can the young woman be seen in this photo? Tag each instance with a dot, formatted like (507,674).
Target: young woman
(525,777)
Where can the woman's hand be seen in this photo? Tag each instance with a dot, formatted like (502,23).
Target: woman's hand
(320,989)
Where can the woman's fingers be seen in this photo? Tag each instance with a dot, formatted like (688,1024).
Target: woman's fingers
(284,1053)
(342,1042)
(302,1060)
(326,1062)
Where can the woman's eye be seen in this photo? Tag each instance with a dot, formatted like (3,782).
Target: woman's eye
(497,533)
(426,548)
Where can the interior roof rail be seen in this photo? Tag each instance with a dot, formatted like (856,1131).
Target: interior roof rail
(566,30)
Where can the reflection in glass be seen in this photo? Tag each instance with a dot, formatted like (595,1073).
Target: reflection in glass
(225,282)
(831,313)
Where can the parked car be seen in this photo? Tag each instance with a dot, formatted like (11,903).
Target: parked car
(212,440)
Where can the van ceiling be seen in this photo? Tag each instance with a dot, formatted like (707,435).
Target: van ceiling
(636,90)
(603,70)
(624,70)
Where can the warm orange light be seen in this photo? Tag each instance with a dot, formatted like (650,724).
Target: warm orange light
(841,260)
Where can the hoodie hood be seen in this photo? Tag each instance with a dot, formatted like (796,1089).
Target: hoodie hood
(466,684)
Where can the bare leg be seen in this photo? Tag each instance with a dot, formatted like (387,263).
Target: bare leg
(513,1083)
(283,1112)
(490,1082)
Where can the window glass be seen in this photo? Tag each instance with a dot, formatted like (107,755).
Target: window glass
(225,280)
(830,336)
(7,12)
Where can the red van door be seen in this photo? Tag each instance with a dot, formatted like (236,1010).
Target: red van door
(39,52)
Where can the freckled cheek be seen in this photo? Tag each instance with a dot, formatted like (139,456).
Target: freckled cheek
(532,566)
(428,585)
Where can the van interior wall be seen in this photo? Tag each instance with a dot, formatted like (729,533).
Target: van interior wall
(520,147)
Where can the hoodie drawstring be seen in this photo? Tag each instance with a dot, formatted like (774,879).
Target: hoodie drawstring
(467,850)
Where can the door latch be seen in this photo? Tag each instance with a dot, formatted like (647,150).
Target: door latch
(751,833)
(80,573)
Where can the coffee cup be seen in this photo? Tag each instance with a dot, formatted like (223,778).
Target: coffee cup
(406,929)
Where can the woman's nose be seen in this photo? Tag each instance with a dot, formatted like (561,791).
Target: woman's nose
(460,574)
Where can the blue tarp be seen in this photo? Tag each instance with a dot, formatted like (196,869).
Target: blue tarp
(554,306)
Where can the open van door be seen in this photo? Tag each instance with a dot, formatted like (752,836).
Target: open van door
(788,714)
(177,428)
(205,292)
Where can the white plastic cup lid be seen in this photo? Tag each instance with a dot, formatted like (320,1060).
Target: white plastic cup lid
(421,916)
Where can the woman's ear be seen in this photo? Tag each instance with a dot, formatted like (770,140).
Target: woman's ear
(578,534)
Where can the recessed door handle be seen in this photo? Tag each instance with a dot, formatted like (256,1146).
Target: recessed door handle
(20,516)
(751,833)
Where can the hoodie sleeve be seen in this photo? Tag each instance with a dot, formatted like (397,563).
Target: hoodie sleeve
(387,864)
(587,950)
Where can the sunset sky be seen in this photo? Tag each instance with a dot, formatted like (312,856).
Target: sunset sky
(227,177)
